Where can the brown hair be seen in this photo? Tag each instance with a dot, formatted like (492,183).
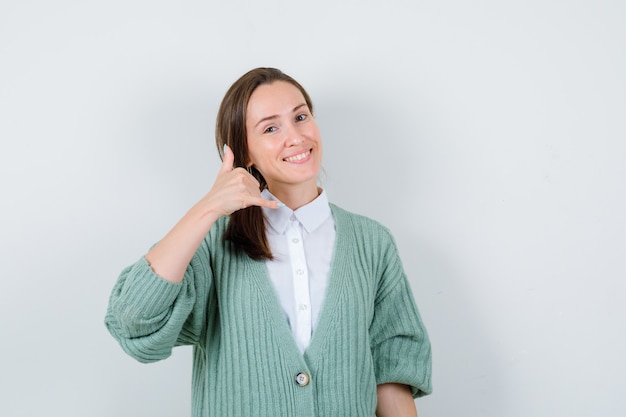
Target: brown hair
(246,229)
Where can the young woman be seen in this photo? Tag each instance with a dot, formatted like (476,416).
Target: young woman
(293,305)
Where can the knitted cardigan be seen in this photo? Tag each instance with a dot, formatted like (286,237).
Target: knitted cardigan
(245,358)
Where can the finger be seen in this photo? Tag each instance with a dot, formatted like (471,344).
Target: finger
(229,159)
(264,202)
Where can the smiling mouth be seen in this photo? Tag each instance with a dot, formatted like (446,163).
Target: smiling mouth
(298,157)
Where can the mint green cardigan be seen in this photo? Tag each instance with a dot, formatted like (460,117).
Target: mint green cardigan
(245,358)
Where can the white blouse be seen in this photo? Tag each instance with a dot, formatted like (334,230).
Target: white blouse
(302,242)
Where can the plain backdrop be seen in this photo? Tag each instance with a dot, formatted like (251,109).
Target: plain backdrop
(489,136)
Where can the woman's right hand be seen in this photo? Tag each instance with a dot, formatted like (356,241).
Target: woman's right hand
(234,189)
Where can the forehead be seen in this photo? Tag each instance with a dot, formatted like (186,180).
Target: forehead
(279,97)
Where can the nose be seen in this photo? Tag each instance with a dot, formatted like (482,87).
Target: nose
(293,135)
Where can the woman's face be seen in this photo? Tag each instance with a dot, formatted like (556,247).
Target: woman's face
(283,139)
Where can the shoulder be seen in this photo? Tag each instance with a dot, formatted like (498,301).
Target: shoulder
(369,242)
(360,225)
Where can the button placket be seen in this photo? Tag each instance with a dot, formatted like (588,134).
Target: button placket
(300,284)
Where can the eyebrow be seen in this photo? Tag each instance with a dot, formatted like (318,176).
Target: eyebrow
(276,115)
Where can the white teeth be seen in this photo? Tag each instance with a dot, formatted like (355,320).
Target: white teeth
(296,158)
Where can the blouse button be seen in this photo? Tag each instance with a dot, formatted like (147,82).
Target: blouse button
(303,379)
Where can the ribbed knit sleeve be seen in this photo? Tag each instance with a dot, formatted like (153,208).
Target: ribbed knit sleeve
(399,342)
(149,315)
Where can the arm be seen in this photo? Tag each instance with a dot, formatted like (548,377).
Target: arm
(395,400)
(232,191)
(400,346)
(160,301)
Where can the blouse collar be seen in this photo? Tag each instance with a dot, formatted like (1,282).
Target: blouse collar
(311,215)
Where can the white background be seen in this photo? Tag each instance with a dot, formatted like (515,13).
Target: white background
(489,136)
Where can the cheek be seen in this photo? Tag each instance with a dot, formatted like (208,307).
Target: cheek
(260,151)
(315,133)
(254,151)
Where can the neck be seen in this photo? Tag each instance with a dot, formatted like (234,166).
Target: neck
(295,197)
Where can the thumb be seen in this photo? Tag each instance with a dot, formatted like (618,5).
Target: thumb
(228,160)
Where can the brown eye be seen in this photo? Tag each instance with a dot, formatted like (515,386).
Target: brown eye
(301,117)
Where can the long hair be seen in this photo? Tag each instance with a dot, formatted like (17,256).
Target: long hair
(246,229)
